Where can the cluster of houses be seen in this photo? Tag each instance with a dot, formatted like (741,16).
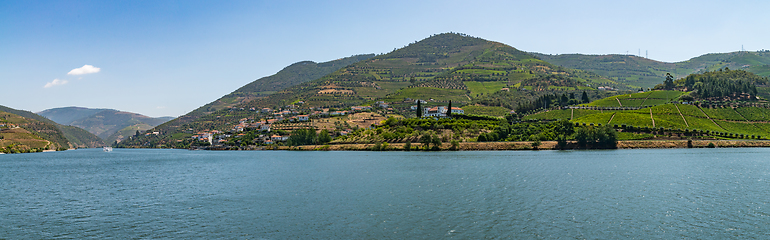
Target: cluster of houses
(291,114)
(5,125)
(208,136)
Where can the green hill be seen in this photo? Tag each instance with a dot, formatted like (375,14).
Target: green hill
(289,76)
(23,134)
(104,123)
(73,136)
(441,68)
(81,138)
(67,115)
(730,119)
(642,72)
(292,75)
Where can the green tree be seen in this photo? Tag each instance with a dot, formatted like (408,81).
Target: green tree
(449,109)
(436,140)
(668,84)
(585,97)
(536,144)
(303,137)
(455,145)
(408,145)
(324,137)
(419,108)
(561,141)
(426,139)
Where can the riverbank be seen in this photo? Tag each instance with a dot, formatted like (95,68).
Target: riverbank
(546,145)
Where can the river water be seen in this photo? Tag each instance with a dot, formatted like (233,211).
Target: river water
(643,194)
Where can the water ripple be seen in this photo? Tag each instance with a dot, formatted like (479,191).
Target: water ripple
(666,193)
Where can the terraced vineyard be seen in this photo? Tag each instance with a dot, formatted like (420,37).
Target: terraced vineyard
(651,98)
(669,117)
(486,110)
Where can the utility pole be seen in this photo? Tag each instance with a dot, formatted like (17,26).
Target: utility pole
(646,54)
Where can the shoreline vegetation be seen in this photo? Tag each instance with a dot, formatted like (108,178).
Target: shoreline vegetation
(524,145)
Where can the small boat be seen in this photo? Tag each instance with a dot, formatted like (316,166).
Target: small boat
(108,149)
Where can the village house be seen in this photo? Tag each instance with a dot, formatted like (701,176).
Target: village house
(441,111)
(360,108)
(279,138)
(381,104)
(303,118)
(338,113)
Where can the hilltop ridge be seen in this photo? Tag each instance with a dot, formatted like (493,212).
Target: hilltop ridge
(643,72)
(107,124)
(25,131)
(441,68)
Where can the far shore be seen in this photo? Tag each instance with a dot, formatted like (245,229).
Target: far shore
(545,145)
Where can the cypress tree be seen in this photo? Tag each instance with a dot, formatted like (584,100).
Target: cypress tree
(449,111)
(419,109)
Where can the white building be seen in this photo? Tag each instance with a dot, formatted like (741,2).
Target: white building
(440,111)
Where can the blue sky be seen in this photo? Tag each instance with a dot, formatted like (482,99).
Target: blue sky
(166,58)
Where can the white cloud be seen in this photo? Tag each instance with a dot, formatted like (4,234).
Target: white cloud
(55,82)
(86,69)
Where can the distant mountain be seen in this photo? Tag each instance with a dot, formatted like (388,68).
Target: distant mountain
(108,124)
(39,133)
(67,115)
(643,72)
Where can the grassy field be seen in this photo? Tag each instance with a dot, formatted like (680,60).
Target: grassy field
(553,114)
(754,113)
(563,114)
(637,99)
(632,119)
(725,120)
(742,128)
(723,114)
(484,87)
(606,102)
(484,110)
(438,94)
(602,118)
